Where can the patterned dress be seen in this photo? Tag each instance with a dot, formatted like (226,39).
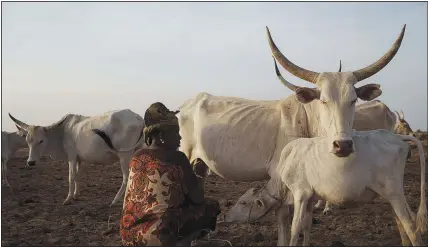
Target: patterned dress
(155,209)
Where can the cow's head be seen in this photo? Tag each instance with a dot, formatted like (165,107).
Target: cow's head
(36,137)
(402,127)
(251,206)
(335,94)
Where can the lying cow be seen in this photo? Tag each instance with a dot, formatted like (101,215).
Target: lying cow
(72,139)
(308,171)
(10,143)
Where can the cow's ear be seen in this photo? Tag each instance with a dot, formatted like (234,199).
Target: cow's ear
(21,131)
(368,92)
(306,95)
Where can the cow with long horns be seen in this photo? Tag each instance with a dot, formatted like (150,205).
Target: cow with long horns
(72,139)
(238,138)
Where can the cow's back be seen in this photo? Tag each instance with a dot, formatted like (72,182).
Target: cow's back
(374,115)
(122,126)
(229,132)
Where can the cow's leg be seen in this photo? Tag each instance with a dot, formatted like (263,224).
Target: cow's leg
(282,215)
(394,194)
(124,165)
(300,204)
(399,206)
(4,171)
(319,204)
(405,241)
(327,208)
(72,166)
(307,223)
(77,181)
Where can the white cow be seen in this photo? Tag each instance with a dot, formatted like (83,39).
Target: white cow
(238,138)
(10,143)
(308,170)
(72,139)
(376,115)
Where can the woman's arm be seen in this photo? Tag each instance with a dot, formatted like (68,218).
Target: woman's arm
(194,184)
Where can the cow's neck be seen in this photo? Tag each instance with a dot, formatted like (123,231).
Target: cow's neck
(16,141)
(274,188)
(55,145)
(271,195)
(314,128)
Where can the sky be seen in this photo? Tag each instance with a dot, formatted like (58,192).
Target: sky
(89,58)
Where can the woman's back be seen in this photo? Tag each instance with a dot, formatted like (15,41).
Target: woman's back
(154,191)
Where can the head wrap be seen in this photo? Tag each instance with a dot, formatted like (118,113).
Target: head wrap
(158,118)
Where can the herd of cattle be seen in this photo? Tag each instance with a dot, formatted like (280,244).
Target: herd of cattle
(314,146)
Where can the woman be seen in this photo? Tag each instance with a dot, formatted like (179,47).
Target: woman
(164,200)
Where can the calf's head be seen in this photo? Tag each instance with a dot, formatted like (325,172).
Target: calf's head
(36,137)
(335,94)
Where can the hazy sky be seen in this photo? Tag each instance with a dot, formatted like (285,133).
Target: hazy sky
(89,58)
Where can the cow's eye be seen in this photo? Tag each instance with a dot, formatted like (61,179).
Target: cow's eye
(41,141)
(243,203)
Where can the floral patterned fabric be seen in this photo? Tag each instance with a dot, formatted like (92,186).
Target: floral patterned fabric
(155,208)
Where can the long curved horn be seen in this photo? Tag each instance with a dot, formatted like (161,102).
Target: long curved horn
(398,114)
(402,114)
(52,126)
(382,62)
(340,65)
(20,123)
(302,73)
(282,79)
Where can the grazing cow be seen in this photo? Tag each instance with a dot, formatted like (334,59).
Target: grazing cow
(308,170)
(238,138)
(72,139)
(10,143)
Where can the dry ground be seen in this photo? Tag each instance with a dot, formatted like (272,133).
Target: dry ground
(32,214)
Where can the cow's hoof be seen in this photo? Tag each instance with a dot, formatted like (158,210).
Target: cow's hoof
(5,184)
(326,211)
(67,201)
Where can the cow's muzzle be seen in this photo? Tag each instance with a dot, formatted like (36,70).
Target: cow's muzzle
(31,163)
(343,148)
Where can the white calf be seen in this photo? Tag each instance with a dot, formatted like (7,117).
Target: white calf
(310,172)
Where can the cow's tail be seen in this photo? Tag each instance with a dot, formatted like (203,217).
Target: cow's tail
(421,217)
(108,142)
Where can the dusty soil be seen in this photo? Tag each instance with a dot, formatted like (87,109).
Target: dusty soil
(32,213)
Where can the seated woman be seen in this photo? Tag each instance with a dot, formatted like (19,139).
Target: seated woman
(164,200)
